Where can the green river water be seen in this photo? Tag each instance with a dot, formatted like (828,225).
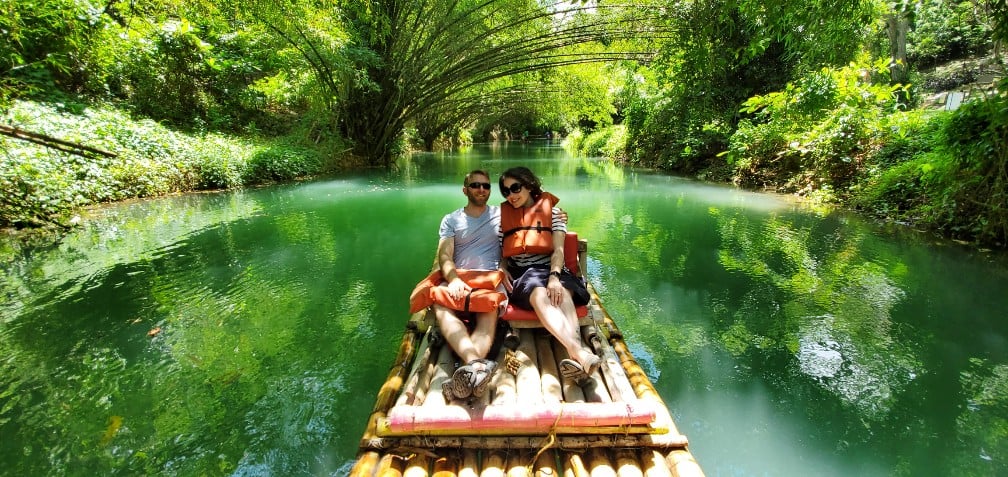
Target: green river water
(786,341)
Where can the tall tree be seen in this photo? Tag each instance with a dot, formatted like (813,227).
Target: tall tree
(411,59)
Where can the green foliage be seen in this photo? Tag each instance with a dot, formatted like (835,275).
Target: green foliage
(151,160)
(943,171)
(976,137)
(41,45)
(281,162)
(946,30)
(608,142)
(815,133)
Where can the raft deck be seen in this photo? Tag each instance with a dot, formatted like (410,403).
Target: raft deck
(533,422)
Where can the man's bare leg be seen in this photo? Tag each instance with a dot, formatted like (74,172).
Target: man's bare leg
(468,347)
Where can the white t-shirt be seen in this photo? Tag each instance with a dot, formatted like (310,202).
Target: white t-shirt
(476,244)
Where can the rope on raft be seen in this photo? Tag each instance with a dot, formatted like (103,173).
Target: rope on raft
(550,440)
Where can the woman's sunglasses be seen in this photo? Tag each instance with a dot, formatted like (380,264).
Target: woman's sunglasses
(514,189)
(477,185)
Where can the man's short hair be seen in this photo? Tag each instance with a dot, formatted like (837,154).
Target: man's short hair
(468,178)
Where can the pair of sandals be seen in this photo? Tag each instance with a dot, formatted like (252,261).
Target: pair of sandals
(472,379)
(574,371)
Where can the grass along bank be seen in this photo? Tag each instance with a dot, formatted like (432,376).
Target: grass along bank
(46,187)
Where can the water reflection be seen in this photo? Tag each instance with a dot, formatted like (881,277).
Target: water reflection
(247,333)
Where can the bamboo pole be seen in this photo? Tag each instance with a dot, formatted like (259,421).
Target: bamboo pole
(390,466)
(574,466)
(470,463)
(442,373)
(546,464)
(655,464)
(493,465)
(417,466)
(550,384)
(628,464)
(392,385)
(505,388)
(529,386)
(517,465)
(683,464)
(445,466)
(599,463)
(417,374)
(365,465)
(613,374)
(520,419)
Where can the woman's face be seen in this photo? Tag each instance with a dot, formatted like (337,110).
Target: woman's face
(516,194)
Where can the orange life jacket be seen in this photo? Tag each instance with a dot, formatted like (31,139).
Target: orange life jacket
(528,229)
(482,298)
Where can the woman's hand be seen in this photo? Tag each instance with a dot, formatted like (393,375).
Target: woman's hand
(507,281)
(554,290)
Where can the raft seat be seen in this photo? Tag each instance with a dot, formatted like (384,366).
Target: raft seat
(575,253)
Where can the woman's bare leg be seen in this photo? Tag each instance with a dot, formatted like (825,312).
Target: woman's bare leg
(562,323)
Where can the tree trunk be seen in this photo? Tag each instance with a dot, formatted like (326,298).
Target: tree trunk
(898,23)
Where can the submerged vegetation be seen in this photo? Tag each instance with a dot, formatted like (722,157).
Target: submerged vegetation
(836,103)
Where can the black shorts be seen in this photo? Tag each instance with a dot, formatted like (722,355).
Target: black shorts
(528,279)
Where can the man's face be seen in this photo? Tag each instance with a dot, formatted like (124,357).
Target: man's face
(481,193)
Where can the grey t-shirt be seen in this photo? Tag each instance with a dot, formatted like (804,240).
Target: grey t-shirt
(476,244)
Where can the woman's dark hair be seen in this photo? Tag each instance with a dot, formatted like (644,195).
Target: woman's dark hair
(525,177)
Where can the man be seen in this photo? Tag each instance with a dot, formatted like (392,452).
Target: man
(468,240)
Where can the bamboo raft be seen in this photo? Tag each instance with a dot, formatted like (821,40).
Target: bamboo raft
(534,422)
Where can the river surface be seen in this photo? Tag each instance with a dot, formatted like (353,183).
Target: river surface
(246,333)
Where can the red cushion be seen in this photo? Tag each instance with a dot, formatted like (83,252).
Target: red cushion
(513,313)
(571,253)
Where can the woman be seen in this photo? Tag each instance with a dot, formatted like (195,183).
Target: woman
(532,241)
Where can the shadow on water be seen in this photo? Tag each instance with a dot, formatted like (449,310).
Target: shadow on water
(246,333)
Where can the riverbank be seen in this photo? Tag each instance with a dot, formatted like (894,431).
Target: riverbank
(105,155)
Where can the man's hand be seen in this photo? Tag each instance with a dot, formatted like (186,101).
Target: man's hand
(458,288)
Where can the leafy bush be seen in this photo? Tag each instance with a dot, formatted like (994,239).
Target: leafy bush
(946,30)
(282,162)
(815,133)
(48,185)
(609,142)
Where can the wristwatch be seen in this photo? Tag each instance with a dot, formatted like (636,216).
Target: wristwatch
(557,274)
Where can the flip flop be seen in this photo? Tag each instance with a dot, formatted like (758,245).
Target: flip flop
(573,371)
(593,365)
(481,377)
